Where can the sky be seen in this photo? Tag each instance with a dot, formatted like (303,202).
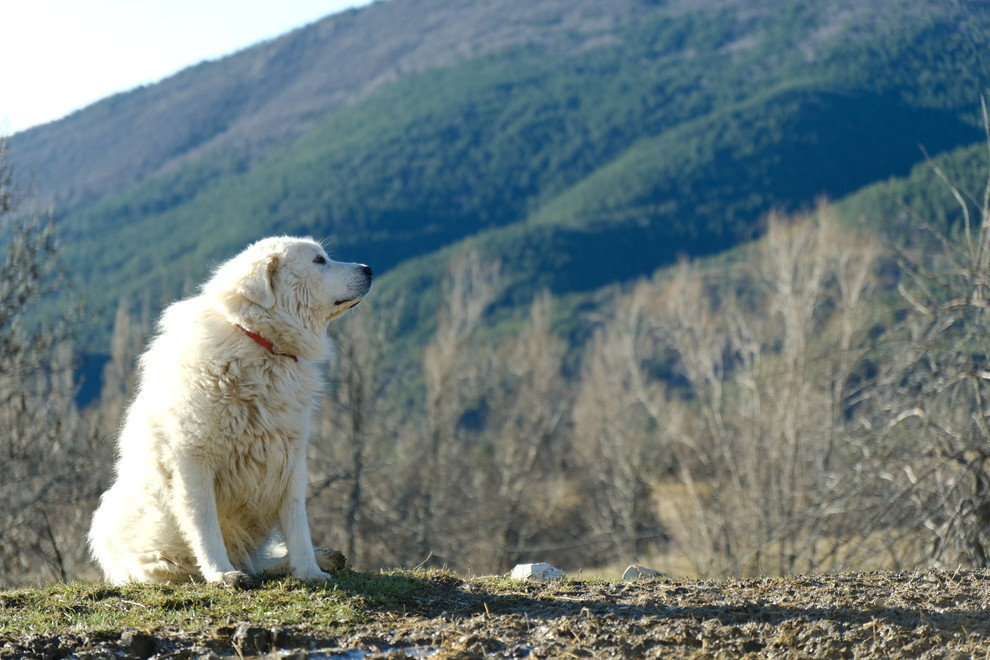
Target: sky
(57,56)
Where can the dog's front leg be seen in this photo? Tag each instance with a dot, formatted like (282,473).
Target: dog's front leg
(196,512)
(295,526)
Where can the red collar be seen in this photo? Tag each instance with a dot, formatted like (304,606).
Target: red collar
(264,342)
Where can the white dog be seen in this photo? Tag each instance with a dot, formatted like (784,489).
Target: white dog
(212,453)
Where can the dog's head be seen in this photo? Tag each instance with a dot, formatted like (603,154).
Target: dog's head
(288,288)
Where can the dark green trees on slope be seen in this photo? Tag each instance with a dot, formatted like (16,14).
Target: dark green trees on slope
(672,137)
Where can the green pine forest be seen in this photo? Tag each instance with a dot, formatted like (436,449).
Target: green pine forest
(666,142)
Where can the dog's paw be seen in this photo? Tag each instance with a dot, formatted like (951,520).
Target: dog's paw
(330,560)
(235,579)
(315,578)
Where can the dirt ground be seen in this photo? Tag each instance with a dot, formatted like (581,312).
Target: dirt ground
(934,614)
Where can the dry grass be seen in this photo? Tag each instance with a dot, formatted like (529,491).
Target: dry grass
(918,614)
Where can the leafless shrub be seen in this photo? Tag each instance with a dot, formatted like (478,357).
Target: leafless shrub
(352,460)
(403,487)
(752,421)
(119,376)
(526,399)
(452,375)
(930,408)
(616,429)
(41,445)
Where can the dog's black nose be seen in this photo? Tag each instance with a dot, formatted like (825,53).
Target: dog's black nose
(367,271)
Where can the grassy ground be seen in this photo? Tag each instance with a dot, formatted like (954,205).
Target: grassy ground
(435,614)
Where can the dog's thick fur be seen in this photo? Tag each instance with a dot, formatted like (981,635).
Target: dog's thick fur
(212,453)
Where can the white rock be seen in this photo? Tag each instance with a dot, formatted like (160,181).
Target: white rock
(540,571)
(641,573)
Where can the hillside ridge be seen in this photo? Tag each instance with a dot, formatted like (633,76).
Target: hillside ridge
(248,103)
(628,134)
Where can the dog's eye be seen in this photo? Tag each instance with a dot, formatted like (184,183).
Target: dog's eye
(320,259)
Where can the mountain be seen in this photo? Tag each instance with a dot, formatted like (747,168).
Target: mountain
(584,144)
(245,105)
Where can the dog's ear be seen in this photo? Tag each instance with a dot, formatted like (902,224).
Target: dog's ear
(257,284)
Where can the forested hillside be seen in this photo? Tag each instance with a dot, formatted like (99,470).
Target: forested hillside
(244,105)
(563,157)
(650,130)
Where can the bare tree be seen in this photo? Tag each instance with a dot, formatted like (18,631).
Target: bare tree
(930,410)
(615,431)
(352,456)
(523,413)
(120,373)
(40,445)
(803,352)
(451,374)
(749,421)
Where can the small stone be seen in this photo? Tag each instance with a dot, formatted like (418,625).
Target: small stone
(141,644)
(641,573)
(330,560)
(252,640)
(540,571)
